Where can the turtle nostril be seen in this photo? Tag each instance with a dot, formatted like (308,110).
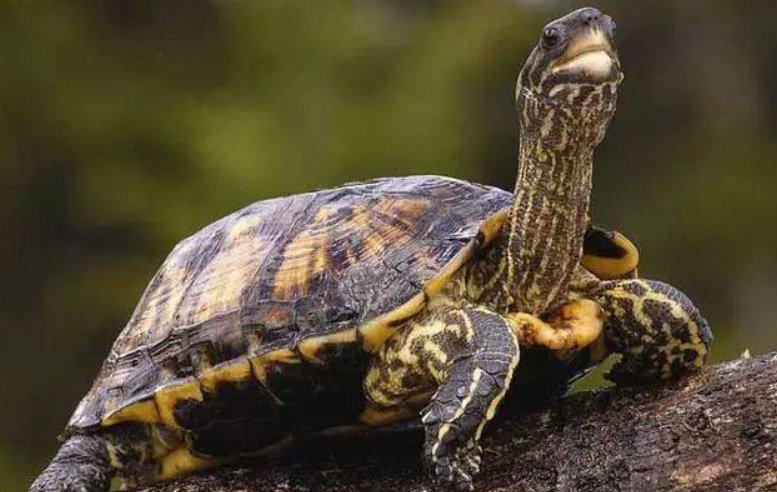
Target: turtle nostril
(591,16)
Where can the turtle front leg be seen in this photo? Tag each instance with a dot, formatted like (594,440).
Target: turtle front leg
(88,462)
(655,327)
(462,357)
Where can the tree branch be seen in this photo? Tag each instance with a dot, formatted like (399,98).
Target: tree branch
(716,431)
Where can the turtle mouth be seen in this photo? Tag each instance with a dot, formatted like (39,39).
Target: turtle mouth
(590,56)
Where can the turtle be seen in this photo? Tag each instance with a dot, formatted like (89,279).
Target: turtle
(348,309)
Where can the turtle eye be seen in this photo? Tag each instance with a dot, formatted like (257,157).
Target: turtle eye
(551,37)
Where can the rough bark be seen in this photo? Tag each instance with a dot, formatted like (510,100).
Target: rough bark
(715,431)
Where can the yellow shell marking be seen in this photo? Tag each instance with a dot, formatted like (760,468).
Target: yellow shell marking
(306,256)
(380,329)
(168,396)
(492,225)
(438,283)
(144,411)
(227,372)
(312,346)
(182,462)
(404,211)
(283,356)
(160,303)
(260,364)
(226,276)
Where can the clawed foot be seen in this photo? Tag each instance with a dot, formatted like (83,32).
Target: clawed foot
(454,467)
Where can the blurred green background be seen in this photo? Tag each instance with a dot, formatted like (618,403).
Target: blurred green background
(127,125)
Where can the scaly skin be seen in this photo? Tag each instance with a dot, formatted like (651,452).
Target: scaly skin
(88,462)
(562,119)
(655,327)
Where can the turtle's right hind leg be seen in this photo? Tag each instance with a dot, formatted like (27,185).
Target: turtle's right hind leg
(88,462)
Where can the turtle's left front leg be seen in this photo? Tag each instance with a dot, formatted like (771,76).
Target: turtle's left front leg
(461,356)
(654,327)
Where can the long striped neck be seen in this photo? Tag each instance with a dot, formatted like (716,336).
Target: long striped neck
(547,222)
(530,266)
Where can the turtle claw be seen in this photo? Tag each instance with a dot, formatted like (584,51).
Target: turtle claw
(455,470)
(452,477)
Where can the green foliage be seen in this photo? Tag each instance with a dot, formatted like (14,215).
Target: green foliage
(128,125)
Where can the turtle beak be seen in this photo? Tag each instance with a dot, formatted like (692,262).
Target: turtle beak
(590,54)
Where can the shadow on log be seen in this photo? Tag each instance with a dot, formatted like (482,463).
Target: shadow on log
(716,431)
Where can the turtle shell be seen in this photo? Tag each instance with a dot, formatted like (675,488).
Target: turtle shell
(279,281)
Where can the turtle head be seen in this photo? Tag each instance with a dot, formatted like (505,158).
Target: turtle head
(575,67)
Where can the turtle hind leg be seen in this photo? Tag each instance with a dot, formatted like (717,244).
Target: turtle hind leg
(88,462)
(656,329)
(81,465)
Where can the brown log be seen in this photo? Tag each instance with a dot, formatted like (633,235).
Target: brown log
(715,431)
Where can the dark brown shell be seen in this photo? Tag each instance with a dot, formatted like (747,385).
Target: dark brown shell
(281,277)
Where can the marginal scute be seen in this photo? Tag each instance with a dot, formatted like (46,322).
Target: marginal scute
(228,372)
(284,356)
(437,284)
(492,225)
(168,396)
(311,347)
(377,331)
(261,364)
(142,411)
